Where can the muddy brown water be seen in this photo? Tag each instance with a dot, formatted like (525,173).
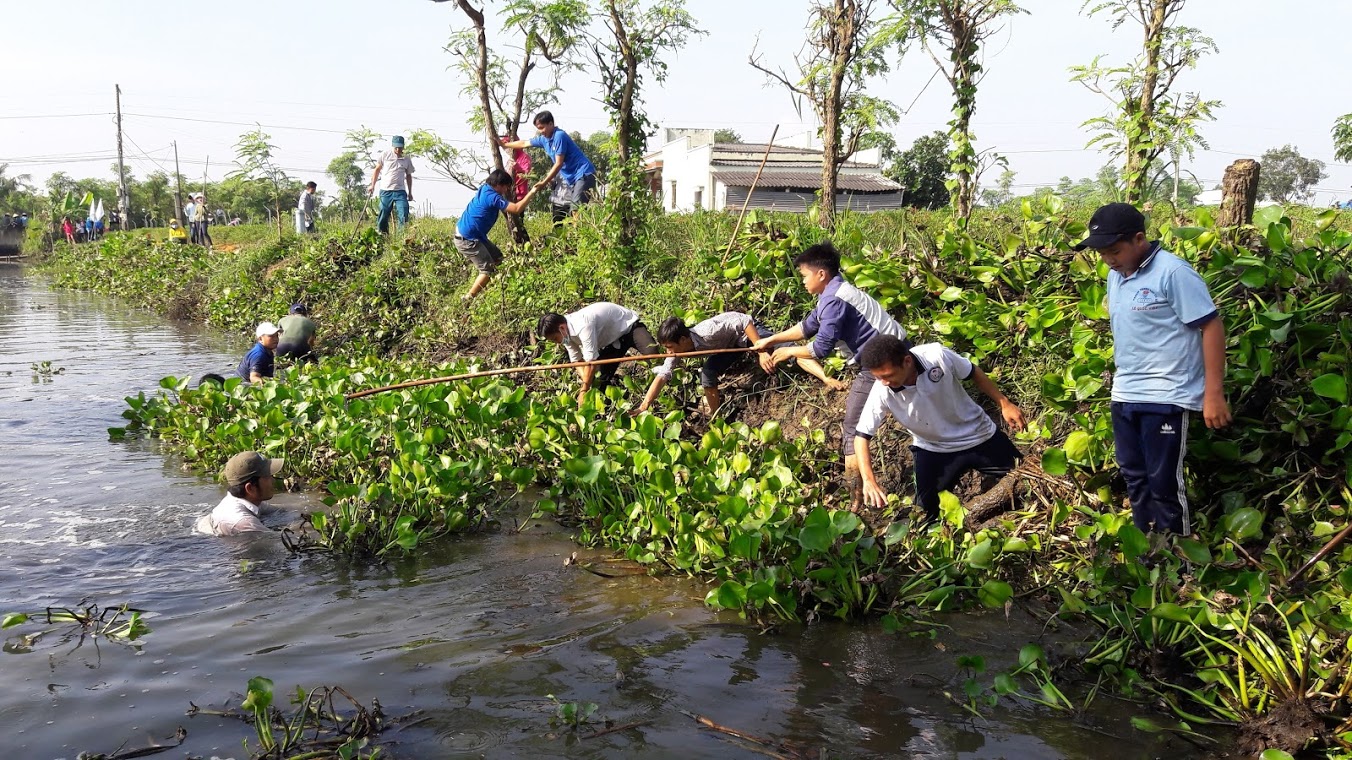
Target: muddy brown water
(474,632)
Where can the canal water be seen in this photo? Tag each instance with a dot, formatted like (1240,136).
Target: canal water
(473,634)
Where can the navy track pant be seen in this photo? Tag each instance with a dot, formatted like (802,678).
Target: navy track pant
(937,471)
(1150,441)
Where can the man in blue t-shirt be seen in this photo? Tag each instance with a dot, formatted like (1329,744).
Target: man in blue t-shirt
(1169,349)
(257,364)
(471,231)
(573,176)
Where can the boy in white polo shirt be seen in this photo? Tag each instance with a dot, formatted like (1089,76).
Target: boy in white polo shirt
(951,434)
(1169,348)
(602,330)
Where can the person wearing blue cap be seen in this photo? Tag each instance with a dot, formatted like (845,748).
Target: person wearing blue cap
(396,192)
(298,334)
(1169,348)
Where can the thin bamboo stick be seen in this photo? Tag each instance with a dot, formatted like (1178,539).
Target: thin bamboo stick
(738,227)
(542,368)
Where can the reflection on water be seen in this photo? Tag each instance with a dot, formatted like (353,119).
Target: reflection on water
(475,632)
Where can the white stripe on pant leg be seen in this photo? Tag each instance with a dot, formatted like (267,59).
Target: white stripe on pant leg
(1182,487)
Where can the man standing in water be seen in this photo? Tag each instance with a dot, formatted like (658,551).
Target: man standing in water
(249,482)
(397,190)
(298,334)
(258,363)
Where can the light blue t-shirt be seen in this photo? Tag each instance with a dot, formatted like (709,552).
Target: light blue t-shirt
(576,165)
(481,214)
(1157,314)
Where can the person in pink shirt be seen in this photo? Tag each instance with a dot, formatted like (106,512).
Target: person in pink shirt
(520,171)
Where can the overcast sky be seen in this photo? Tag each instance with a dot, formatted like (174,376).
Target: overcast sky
(308,71)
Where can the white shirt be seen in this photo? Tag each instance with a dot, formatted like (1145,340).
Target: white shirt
(393,171)
(190,212)
(306,203)
(937,411)
(592,327)
(231,517)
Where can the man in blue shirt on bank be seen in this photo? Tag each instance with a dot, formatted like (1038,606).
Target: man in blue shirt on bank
(471,231)
(1169,348)
(573,176)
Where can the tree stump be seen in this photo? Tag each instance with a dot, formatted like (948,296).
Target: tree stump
(1239,191)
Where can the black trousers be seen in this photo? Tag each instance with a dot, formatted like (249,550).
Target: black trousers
(637,338)
(937,471)
(1150,440)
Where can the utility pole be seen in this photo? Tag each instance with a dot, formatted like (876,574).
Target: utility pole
(123,197)
(178,194)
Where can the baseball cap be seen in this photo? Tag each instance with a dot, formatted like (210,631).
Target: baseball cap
(1110,224)
(267,328)
(299,308)
(247,465)
(398,141)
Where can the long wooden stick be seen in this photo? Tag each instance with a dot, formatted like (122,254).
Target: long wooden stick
(738,228)
(1330,546)
(543,368)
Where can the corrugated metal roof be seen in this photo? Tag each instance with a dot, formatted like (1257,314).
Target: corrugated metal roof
(856,183)
(737,153)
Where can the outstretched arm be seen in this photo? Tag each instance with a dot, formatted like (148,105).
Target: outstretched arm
(790,335)
(1012,414)
(874,495)
(515,144)
(519,206)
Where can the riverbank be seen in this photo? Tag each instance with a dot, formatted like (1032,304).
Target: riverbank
(468,635)
(750,509)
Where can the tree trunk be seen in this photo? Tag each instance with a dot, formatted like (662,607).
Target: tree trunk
(1239,190)
(1140,145)
(842,32)
(965,69)
(481,71)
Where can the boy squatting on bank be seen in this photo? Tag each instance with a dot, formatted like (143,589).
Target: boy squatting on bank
(843,314)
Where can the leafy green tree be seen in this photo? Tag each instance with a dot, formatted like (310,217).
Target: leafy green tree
(16,192)
(151,201)
(1342,138)
(1002,192)
(959,28)
(629,43)
(253,156)
(1148,117)
(726,136)
(463,166)
(921,170)
(1288,176)
(845,53)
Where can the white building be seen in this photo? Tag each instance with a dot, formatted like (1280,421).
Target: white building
(690,171)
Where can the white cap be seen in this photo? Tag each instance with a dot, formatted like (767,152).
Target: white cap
(267,328)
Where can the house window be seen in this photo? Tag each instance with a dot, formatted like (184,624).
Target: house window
(673,195)
(699,197)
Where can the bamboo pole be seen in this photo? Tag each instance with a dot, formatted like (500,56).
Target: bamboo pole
(1330,546)
(542,368)
(738,228)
